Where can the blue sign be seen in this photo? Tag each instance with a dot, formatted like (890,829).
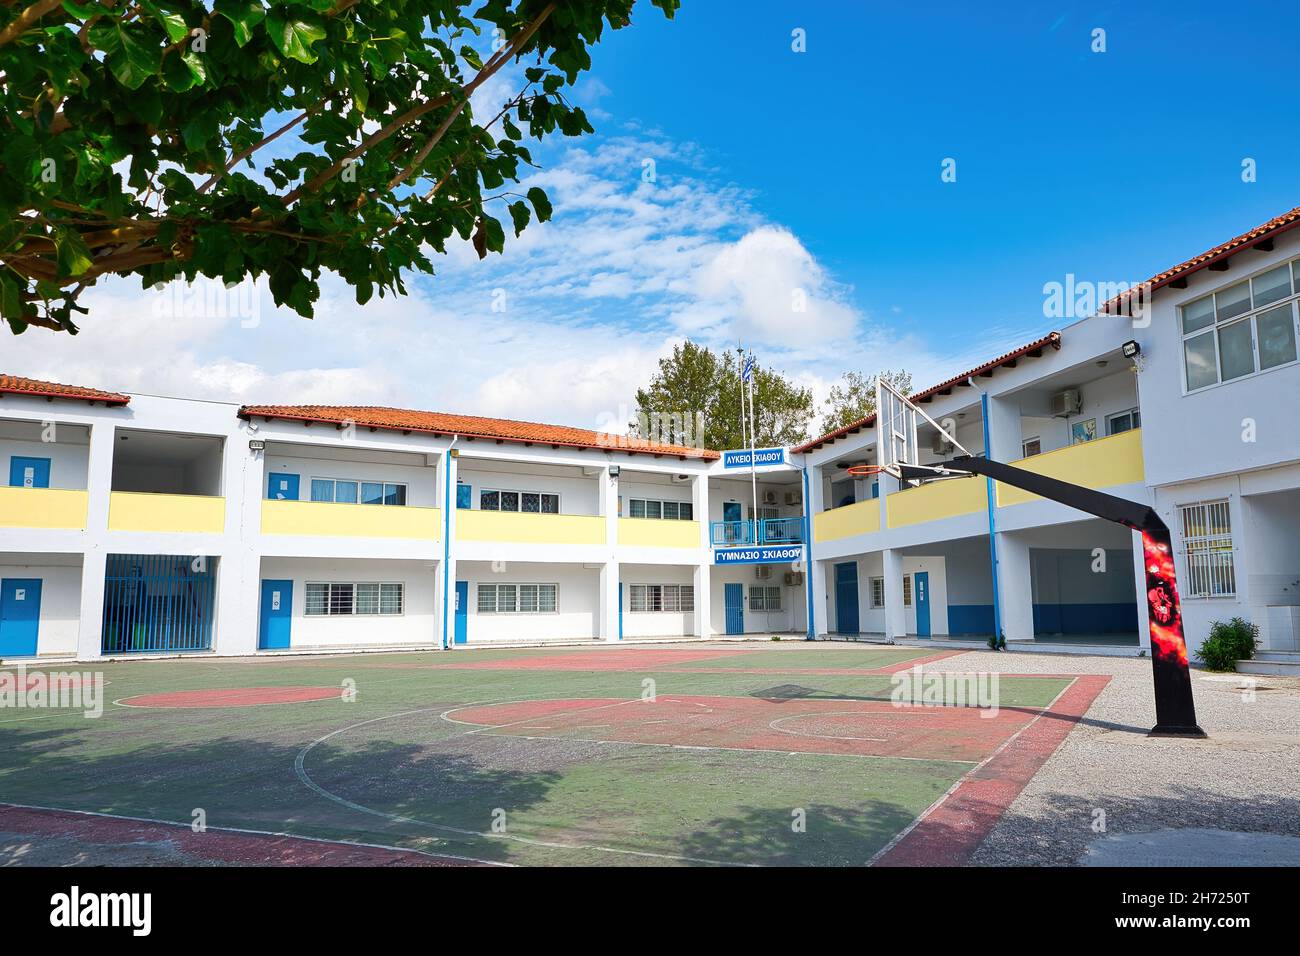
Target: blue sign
(759,554)
(762,456)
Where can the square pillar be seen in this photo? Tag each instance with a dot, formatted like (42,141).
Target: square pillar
(1140,592)
(444,635)
(895,613)
(1015,587)
(703,584)
(99,485)
(607,603)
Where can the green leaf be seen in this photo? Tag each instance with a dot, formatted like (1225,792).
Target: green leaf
(132,58)
(520,215)
(494,237)
(293,33)
(541,204)
(71,252)
(244,16)
(11,297)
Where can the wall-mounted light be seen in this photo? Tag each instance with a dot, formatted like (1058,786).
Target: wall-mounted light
(1131,349)
(256,444)
(613,471)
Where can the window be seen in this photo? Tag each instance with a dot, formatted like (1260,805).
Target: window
(1241,330)
(346,491)
(1123,422)
(764,598)
(330,599)
(877,592)
(907,590)
(517,598)
(529,502)
(1031,446)
(1207,548)
(661,597)
(669,510)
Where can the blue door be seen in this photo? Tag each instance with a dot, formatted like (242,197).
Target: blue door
(921,585)
(620,610)
(846,598)
(733,600)
(29,472)
(282,487)
(731,511)
(20,616)
(461,633)
(464,496)
(277,615)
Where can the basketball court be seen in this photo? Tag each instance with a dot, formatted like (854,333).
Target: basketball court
(744,754)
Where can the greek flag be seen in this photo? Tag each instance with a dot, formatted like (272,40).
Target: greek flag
(748,372)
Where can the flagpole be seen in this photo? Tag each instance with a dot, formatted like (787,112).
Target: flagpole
(753,474)
(740,356)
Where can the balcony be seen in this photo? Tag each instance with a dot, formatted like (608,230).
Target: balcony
(1103,463)
(529,527)
(936,500)
(146,511)
(862,517)
(728,534)
(339,519)
(43,508)
(657,533)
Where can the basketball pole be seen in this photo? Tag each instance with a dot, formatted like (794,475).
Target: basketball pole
(1171,672)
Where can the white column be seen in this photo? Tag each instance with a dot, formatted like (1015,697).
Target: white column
(239,572)
(895,613)
(608,601)
(99,484)
(445,584)
(1140,592)
(816,577)
(704,562)
(1015,587)
(607,505)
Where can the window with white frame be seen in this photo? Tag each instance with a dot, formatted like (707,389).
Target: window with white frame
(661,597)
(877,592)
(655,508)
(528,502)
(354,491)
(1123,421)
(1244,329)
(764,597)
(365,598)
(1031,446)
(518,598)
(1207,549)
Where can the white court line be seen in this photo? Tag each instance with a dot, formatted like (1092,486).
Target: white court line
(271,833)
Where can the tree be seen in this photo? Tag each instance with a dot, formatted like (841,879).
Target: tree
(697,383)
(127,127)
(854,397)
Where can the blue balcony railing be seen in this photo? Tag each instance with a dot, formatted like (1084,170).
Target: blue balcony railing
(729,534)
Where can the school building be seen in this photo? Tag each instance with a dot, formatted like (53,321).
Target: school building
(141,525)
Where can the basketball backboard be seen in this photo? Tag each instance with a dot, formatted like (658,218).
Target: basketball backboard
(897,420)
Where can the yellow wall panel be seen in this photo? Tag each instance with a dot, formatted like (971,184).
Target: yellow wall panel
(1103,463)
(861,517)
(43,508)
(135,511)
(338,519)
(513,526)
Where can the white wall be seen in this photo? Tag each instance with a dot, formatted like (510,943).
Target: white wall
(421,480)
(579,495)
(792,616)
(69,454)
(577,602)
(416,624)
(60,602)
(655,623)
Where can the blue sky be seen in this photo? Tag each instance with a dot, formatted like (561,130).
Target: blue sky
(778,170)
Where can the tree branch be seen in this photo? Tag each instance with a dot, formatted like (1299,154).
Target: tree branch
(27,19)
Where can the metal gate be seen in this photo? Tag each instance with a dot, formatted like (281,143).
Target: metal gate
(158,602)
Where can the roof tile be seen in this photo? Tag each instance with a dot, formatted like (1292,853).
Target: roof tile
(17,385)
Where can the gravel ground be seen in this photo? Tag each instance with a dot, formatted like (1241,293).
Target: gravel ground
(1109,779)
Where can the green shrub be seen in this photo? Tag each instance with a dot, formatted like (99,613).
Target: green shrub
(1228,643)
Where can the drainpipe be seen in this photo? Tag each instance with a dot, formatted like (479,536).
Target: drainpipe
(990,497)
(446,535)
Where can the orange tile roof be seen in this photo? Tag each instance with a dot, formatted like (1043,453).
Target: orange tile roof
(1220,253)
(17,385)
(470,426)
(1034,348)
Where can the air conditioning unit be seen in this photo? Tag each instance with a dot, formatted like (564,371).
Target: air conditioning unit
(794,578)
(1066,402)
(762,571)
(769,497)
(940,445)
(793,498)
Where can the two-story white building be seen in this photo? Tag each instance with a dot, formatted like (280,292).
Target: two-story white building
(134,524)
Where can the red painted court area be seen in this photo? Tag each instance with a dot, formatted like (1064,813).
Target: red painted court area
(861,728)
(232,697)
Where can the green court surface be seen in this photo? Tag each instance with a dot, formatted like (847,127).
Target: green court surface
(682,754)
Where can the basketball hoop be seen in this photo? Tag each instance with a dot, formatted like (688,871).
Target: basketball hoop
(865,471)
